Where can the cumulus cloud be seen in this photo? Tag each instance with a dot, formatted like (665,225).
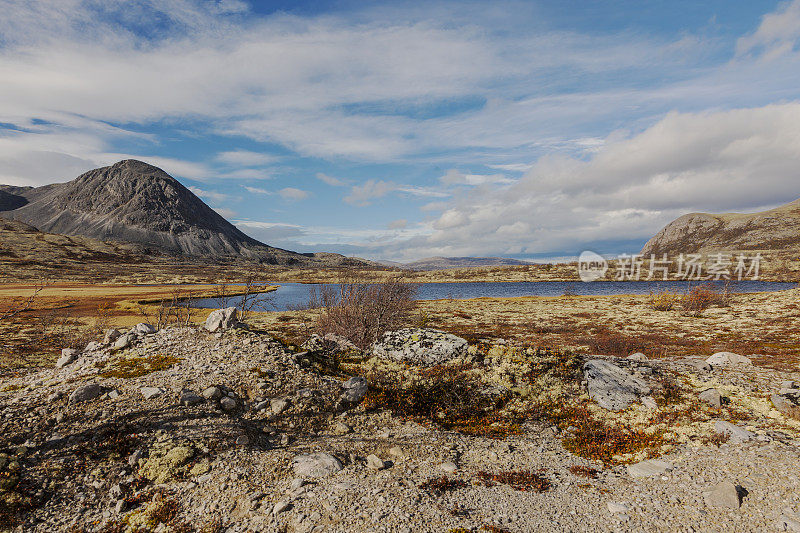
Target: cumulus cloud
(291,193)
(330,180)
(365,193)
(777,34)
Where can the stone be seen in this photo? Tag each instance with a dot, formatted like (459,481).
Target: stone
(296,484)
(151,392)
(649,468)
(85,393)
(789,392)
(781,403)
(111,335)
(280,507)
(735,433)
(221,319)
(420,346)
(227,403)
(638,356)
(712,397)
(315,465)
(330,342)
(612,387)
(93,346)
(113,394)
(133,459)
(615,507)
(702,366)
(242,440)
(212,393)
(68,356)
(123,342)
(341,428)
(188,398)
(649,402)
(728,359)
(375,463)
(788,384)
(788,523)
(143,328)
(397,451)
(278,405)
(448,466)
(355,389)
(725,494)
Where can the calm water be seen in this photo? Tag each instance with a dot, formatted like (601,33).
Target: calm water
(294,295)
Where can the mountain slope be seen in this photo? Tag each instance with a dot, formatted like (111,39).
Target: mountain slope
(134,202)
(776,230)
(440,263)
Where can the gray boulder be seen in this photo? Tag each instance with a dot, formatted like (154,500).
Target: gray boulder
(221,319)
(354,389)
(124,341)
(734,432)
(68,356)
(85,393)
(725,494)
(612,387)
(712,397)
(316,465)
(728,359)
(420,346)
(111,335)
(649,468)
(142,328)
(330,342)
(151,392)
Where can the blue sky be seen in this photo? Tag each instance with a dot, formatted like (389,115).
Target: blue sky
(404,130)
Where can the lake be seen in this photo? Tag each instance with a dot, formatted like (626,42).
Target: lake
(294,295)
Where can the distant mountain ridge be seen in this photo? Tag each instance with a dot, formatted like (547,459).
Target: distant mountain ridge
(442,263)
(772,230)
(132,201)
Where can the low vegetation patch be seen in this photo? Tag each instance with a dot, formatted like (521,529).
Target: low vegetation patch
(522,480)
(134,367)
(443,484)
(584,471)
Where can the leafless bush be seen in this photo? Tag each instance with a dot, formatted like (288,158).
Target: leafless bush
(177,310)
(360,311)
(20,305)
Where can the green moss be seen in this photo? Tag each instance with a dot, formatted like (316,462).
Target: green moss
(134,367)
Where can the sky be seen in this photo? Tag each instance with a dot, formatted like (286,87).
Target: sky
(403,130)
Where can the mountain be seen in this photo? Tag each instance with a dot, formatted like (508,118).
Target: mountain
(774,230)
(440,263)
(132,201)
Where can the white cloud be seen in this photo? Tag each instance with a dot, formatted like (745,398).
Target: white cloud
(257,190)
(209,195)
(455,177)
(290,193)
(777,34)
(330,180)
(245,158)
(364,194)
(225,212)
(400,223)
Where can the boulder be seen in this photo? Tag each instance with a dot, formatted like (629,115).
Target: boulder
(221,319)
(649,468)
(375,463)
(111,335)
(93,346)
(142,328)
(712,397)
(728,359)
(68,356)
(725,494)
(85,393)
(123,341)
(420,346)
(638,356)
(330,342)
(316,465)
(355,389)
(212,393)
(612,387)
(735,433)
(151,392)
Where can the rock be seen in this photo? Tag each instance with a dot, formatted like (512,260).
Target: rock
(93,346)
(788,523)
(188,398)
(330,342)
(280,507)
(638,356)
(725,494)
(789,392)
(355,389)
(781,403)
(649,402)
(397,451)
(111,335)
(113,394)
(212,393)
(278,405)
(221,319)
(448,466)
(316,465)
(341,428)
(68,356)
(788,384)
(133,460)
(702,366)
(151,392)
(123,341)
(649,468)
(612,387)
(142,328)
(420,346)
(296,484)
(712,397)
(735,433)
(227,403)
(614,507)
(242,440)
(728,359)
(375,463)
(85,393)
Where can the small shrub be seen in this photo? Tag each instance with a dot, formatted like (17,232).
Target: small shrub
(584,471)
(360,311)
(663,301)
(701,298)
(522,480)
(442,484)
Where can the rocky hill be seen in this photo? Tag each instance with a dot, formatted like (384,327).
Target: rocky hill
(773,230)
(439,263)
(135,202)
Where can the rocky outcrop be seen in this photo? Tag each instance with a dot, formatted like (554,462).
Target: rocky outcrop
(612,387)
(221,319)
(420,346)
